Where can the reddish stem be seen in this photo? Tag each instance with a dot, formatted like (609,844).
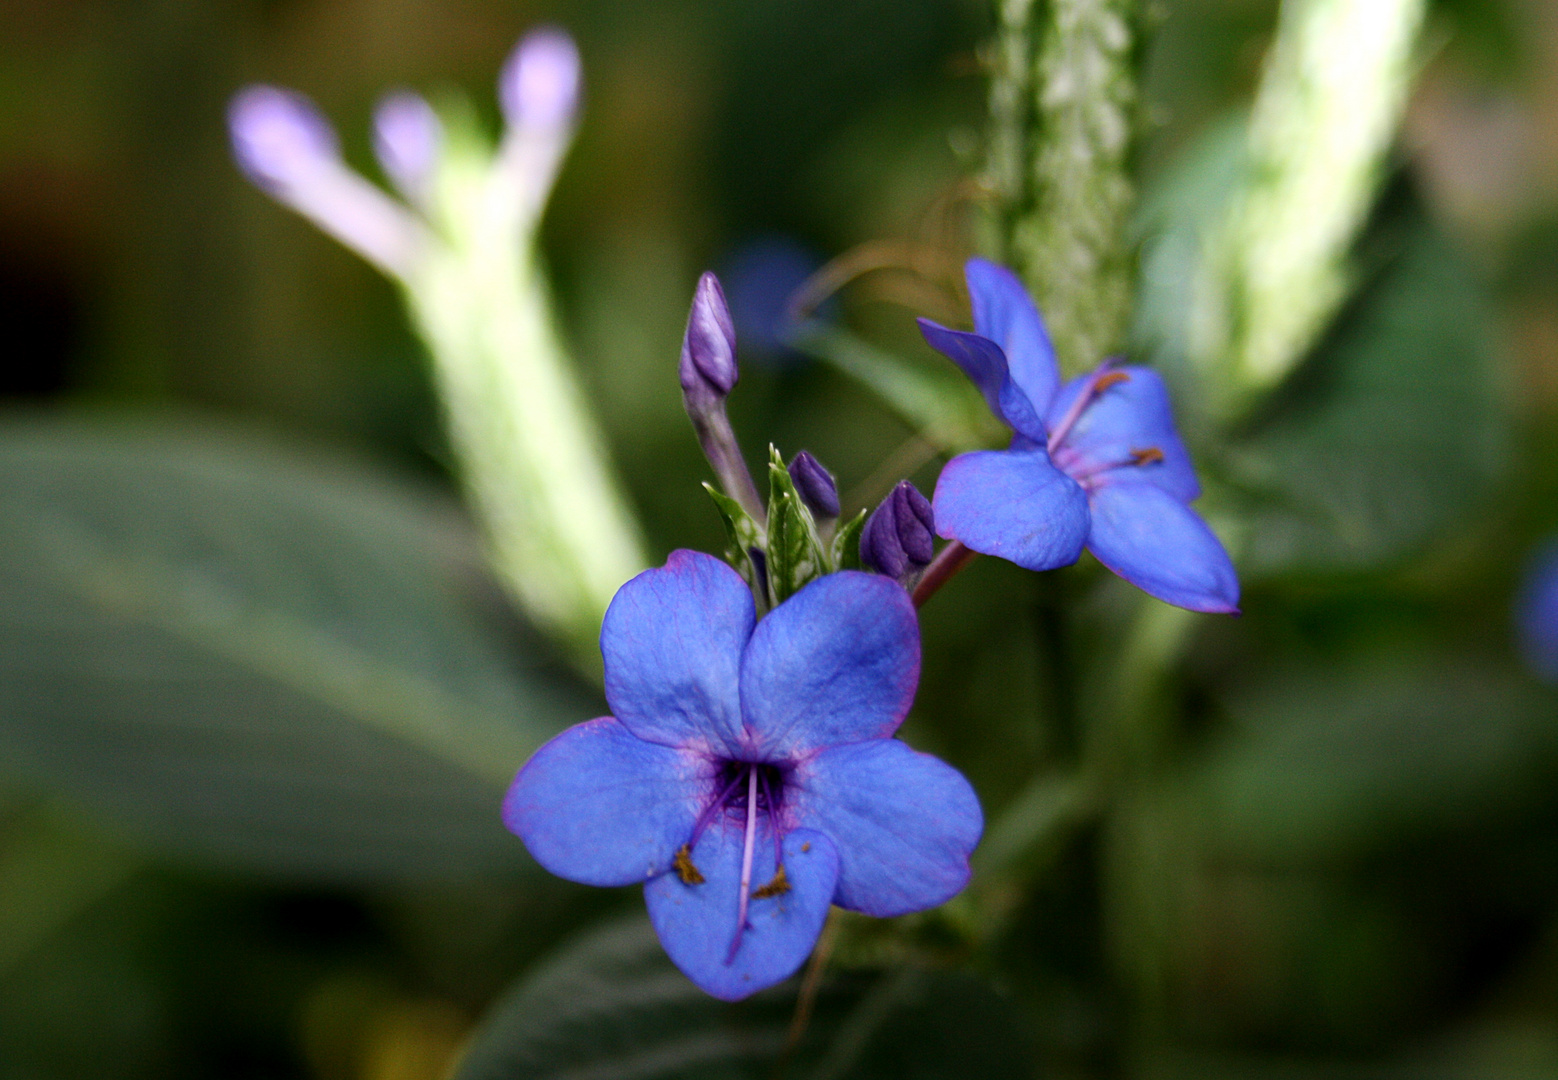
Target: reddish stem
(948,561)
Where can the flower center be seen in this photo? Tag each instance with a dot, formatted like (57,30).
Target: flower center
(745,789)
(1067,459)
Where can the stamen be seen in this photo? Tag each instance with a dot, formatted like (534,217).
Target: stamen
(1102,380)
(777,887)
(779,884)
(1150,456)
(682,862)
(746,862)
(690,874)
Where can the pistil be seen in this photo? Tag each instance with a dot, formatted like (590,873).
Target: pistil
(746,862)
(1101,380)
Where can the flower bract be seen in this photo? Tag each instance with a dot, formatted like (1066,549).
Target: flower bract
(748,776)
(1095,462)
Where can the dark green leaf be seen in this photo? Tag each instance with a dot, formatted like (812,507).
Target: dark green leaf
(610,1006)
(260,656)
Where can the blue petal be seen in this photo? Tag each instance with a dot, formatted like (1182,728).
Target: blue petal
(1536,614)
(1004,312)
(1012,504)
(838,662)
(697,923)
(598,806)
(904,822)
(1128,416)
(1161,546)
(983,361)
(672,641)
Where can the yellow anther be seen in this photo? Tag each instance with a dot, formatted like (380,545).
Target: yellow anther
(1149,456)
(683,862)
(777,887)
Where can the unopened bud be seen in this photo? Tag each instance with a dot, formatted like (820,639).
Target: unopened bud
(899,537)
(279,138)
(539,86)
(708,368)
(814,485)
(407,136)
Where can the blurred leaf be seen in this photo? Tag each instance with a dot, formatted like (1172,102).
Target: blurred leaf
(1391,430)
(611,1006)
(1332,764)
(257,656)
(942,405)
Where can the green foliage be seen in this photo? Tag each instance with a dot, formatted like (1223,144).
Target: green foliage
(845,549)
(272,660)
(611,1006)
(794,549)
(1390,431)
(742,535)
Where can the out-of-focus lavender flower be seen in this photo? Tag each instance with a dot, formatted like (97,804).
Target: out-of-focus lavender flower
(1096,462)
(538,90)
(899,538)
(287,148)
(748,776)
(815,485)
(1536,613)
(407,136)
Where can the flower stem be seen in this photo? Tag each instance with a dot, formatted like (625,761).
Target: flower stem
(948,561)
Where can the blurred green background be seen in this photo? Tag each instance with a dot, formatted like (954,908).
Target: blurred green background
(258,699)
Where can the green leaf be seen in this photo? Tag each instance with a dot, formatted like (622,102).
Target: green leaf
(260,656)
(794,549)
(610,1006)
(845,549)
(1389,432)
(742,535)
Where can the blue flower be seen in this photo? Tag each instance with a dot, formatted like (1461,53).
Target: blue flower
(749,777)
(1536,613)
(1095,462)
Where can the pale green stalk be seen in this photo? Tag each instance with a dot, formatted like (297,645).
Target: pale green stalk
(1276,267)
(1064,104)
(560,534)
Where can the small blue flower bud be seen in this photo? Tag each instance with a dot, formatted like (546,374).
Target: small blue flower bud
(814,485)
(899,539)
(708,368)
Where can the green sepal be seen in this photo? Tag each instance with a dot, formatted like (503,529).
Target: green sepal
(742,534)
(845,550)
(794,550)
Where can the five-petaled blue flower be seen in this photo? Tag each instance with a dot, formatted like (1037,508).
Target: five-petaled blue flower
(749,776)
(1096,462)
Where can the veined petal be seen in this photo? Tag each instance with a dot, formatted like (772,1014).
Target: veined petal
(1005,313)
(904,823)
(838,662)
(697,923)
(599,806)
(1126,418)
(1013,504)
(1161,546)
(672,641)
(983,361)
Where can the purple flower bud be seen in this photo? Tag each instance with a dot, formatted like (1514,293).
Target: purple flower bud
(814,485)
(539,86)
(708,368)
(279,138)
(899,537)
(407,136)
